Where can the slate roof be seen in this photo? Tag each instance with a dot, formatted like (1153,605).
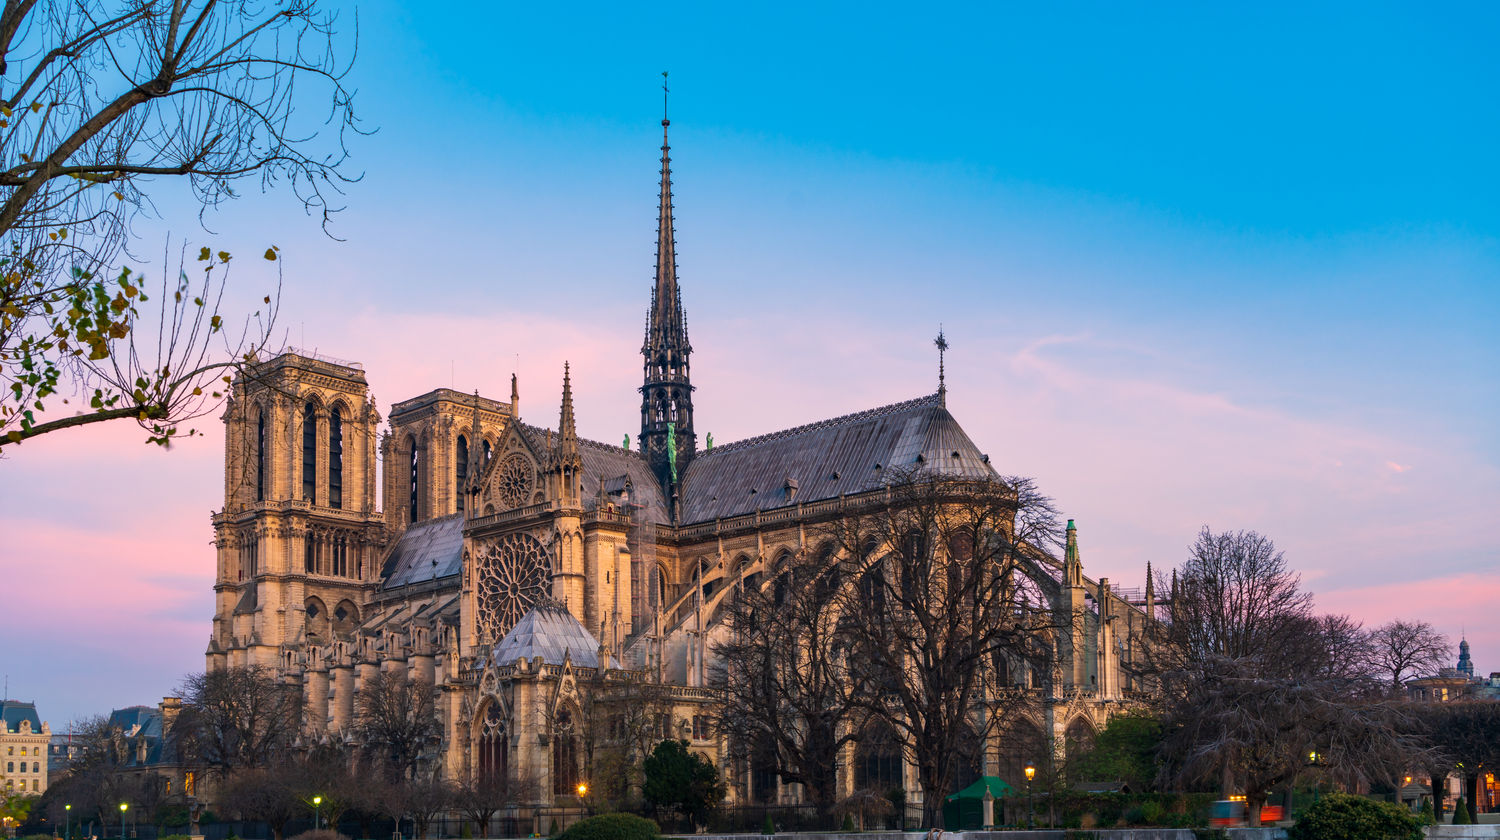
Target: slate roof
(15,711)
(427,550)
(548,630)
(610,466)
(844,455)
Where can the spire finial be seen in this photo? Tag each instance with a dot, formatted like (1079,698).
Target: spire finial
(664,91)
(942,345)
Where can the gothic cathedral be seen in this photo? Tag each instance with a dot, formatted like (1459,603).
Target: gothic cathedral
(520,570)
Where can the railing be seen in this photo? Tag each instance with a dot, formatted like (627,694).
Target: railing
(316,356)
(511,515)
(301,505)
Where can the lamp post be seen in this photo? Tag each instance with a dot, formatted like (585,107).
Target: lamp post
(123,808)
(1312,761)
(68,810)
(1030,803)
(317,810)
(583,790)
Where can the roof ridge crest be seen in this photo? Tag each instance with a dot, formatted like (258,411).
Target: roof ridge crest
(929,399)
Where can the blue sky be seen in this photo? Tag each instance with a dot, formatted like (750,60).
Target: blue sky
(1199,265)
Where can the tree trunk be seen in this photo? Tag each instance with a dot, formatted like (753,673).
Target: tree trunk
(1471,788)
(1253,803)
(932,806)
(1439,789)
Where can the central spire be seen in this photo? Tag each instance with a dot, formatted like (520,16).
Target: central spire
(667,324)
(667,438)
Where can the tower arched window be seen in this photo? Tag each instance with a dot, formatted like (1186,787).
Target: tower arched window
(564,755)
(309,453)
(336,458)
(486,453)
(415,457)
(260,455)
(461,471)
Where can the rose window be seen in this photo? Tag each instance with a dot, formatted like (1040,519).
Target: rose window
(512,573)
(515,480)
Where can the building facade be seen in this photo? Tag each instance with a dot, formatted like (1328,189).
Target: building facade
(23,748)
(556,590)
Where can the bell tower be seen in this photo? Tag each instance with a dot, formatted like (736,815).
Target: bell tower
(299,535)
(667,437)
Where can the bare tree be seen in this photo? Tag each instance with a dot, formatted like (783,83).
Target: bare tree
(785,675)
(234,718)
(1233,724)
(1236,598)
(943,586)
(1404,650)
(99,99)
(620,721)
(269,793)
(396,721)
(1462,737)
(1240,635)
(1346,649)
(427,795)
(479,796)
(95,782)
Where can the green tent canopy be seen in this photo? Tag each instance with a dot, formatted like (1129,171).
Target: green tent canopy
(964,811)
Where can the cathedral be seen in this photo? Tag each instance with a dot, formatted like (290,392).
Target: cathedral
(526,573)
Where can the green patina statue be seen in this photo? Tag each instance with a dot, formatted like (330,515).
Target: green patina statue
(627,442)
(672,449)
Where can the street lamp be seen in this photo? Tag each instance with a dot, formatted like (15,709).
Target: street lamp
(317,809)
(583,790)
(68,809)
(1030,803)
(123,808)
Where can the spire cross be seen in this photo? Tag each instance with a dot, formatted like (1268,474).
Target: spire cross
(664,92)
(942,346)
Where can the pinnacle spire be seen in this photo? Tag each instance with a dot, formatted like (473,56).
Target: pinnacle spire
(1072,563)
(567,430)
(666,326)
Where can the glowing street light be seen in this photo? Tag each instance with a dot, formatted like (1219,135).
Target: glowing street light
(124,806)
(69,810)
(1030,803)
(317,810)
(583,788)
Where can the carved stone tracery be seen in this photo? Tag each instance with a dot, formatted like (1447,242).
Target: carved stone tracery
(512,574)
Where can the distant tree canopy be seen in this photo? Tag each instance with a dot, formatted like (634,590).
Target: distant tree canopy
(1125,751)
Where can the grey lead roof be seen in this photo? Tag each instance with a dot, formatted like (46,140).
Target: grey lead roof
(548,630)
(844,455)
(611,466)
(427,550)
(12,712)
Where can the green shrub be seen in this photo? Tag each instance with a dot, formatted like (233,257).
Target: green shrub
(466,833)
(612,827)
(320,834)
(1152,812)
(1461,813)
(1339,816)
(769,827)
(848,822)
(552,829)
